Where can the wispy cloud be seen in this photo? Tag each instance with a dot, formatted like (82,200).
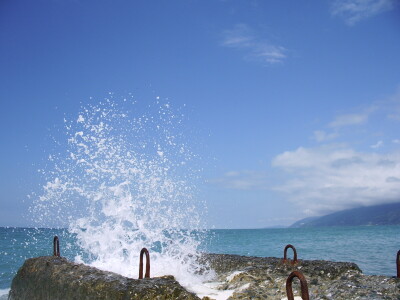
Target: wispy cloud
(349,119)
(243,37)
(340,121)
(394,103)
(242,180)
(353,11)
(378,144)
(322,136)
(330,178)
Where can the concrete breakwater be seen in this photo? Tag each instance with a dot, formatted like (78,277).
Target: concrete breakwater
(55,278)
(265,278)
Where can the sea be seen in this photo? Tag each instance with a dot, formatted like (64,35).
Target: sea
(372,248)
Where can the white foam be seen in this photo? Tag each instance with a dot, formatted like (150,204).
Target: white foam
(4,292)
(231,276)
(211,290)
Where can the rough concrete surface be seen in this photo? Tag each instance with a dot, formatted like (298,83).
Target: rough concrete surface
(253,278)
(55,278)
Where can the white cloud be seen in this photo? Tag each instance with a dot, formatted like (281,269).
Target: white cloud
(394,113)
(243,180)
(353,11)
(330,178)
(242,37)
(335,176)
(349,119)
(379,144)
(343,120)
(322,136)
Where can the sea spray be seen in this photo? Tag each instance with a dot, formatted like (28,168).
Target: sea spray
(124,180)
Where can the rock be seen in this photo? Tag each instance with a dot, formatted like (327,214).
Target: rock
(54,278)
(265,278)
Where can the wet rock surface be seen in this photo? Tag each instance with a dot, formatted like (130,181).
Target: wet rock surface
(246,277)
(265,278)
(54,278)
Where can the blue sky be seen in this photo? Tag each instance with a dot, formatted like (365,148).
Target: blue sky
(295,104)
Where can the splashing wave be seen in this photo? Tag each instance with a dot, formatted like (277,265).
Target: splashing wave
(123,180)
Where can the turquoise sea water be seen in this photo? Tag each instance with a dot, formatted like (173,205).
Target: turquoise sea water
(373,248)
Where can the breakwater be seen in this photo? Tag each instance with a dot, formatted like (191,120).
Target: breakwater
(53,277)
(265,278)
(241,277)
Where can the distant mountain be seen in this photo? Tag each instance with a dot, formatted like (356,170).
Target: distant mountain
(303,222)
(386,214)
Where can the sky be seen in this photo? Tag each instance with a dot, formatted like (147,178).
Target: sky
(294,106)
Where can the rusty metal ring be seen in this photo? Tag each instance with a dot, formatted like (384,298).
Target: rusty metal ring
(147,274)
(303,284)
(294,254)
(56,246)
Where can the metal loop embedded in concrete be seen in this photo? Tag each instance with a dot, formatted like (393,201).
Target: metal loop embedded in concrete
(56,246)
(294,254)
(147,274)
(303,284)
